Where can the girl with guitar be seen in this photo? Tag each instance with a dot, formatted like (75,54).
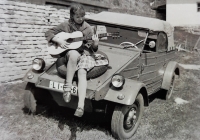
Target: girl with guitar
(79,59)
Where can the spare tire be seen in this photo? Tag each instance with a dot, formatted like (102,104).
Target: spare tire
(97,71)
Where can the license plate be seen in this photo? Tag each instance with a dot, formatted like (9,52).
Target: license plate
(59,86)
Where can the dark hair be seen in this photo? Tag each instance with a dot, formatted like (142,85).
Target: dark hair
(76,8)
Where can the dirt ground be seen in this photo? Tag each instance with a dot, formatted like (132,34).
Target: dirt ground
(162,120)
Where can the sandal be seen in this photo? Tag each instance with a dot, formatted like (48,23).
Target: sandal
(79,112)
(66,93)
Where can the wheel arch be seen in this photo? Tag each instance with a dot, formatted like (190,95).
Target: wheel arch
(172,67)
(39,94)
(144,93)
(130,91)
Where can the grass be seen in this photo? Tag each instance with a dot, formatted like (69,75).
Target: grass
(58,123)
(161,120)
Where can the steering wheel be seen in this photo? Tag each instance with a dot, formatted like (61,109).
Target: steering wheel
(128,44)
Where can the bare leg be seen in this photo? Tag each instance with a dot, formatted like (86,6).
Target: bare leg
(71,68)
(71,65)
(82,86)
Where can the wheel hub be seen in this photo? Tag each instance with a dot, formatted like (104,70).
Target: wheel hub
(131,116)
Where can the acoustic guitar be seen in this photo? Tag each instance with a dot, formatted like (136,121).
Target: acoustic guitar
(75,40)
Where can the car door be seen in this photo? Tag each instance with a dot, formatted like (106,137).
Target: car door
(148,70)
(161,59)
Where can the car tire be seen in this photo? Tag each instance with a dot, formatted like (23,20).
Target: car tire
(30,101)
(168,93)
(93,73)
(34,96)
(126,119)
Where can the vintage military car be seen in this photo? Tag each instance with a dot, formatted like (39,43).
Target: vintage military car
(141,62)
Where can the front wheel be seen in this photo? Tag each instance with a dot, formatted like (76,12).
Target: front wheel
(29,100)
(34,96)
(126,119)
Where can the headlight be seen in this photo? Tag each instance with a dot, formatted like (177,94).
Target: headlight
(118,80)
(38,64)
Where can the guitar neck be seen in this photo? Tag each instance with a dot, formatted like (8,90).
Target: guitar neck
(89,37)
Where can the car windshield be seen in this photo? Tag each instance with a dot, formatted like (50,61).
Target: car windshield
(127,37)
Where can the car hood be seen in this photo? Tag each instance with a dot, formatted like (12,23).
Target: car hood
(118,59)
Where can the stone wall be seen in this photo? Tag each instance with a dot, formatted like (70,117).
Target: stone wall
(22,38)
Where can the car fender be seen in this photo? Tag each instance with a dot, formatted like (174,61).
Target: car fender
(32,76)
(130,91)
(172,67)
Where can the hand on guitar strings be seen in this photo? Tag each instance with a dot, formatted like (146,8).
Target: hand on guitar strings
(62,43)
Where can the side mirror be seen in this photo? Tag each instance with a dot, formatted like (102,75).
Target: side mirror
(152,44)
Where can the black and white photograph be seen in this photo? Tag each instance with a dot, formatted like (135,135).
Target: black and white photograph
(100,70)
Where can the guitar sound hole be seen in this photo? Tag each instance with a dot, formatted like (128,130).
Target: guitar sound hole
(70,40)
